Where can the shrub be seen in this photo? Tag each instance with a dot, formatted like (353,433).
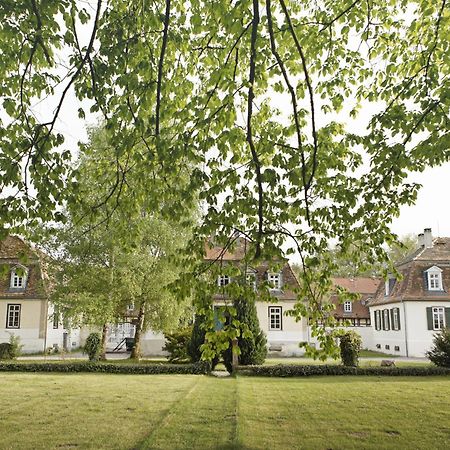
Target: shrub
(177,345)
(93,346)
(5,350)
(16,347)
(299,370)
(253,349)
(440,352)
(350,345)
(198,339)
(199,368)
(11,349)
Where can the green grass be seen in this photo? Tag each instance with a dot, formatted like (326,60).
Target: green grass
(45,411)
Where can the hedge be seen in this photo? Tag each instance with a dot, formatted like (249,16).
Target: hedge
(314,370)
(199,368)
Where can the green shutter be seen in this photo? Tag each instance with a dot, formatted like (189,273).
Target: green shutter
(447,317)
(399,322)
(430,318)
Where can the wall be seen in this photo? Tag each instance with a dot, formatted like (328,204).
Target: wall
(420,339)
(32,329)
(284,342)
(389,338)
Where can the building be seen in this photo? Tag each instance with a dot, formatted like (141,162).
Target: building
(356,314)
(283,332)
(24,307)
(407,311)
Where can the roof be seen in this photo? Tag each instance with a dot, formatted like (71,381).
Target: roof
(360,285)
(365,286)
(14,251)
(413,283)
(440,251)
(237,253)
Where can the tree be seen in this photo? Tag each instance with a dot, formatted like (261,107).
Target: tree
(106,257)
(252,343)
(193,85)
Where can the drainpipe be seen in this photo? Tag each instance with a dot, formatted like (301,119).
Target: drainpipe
(406,329)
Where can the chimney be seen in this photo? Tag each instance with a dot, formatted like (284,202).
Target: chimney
(421,240)
(427,238)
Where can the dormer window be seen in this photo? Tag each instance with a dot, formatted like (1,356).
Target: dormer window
(18,278)
(434,279)
(223,280)
(348,307)
(274,280)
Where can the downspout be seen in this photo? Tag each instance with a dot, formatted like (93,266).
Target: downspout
(406,329)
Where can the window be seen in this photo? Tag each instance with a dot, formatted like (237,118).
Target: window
(434,278)
(223,280)
(274,280)
(386,324)
(347,307)
(18,278)
(395,318)
(275,318)
(438,318)
(55,319)
(251,280)
(377,320)
(13,316)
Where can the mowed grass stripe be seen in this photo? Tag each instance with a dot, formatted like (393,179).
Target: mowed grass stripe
(205,419)
(345,413)
(89,411)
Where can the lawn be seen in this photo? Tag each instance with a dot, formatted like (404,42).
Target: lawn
(42,411)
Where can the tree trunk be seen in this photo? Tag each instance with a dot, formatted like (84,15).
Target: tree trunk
(136,351)
(103,345)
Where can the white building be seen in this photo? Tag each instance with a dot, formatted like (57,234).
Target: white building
(406,313)
(24,307)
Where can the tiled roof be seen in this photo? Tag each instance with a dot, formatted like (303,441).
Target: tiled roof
(365,286)
(413,283)
(238,252)
(361,285)
(15,251)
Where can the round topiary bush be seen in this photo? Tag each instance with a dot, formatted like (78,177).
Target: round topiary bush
(350,345)
(440,352)
(93,346)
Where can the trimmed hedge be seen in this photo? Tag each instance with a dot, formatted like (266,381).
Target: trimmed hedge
(307,371)
(199,368)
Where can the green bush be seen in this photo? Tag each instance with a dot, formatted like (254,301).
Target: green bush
(93,346)
(11,349)
(200,368)
(350,345)
(5,350)
(177,345)
(298,370)
(197,339)
(16,347)
(440,352)
(253,350)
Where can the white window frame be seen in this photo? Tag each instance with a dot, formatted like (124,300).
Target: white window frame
(223,280)
(438,317)
(395,319)
(18,281)
(250,278)
(13,312)
(386,320)
(276,313)
(377,319)
(348,307)
(274,280)
(434,278)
